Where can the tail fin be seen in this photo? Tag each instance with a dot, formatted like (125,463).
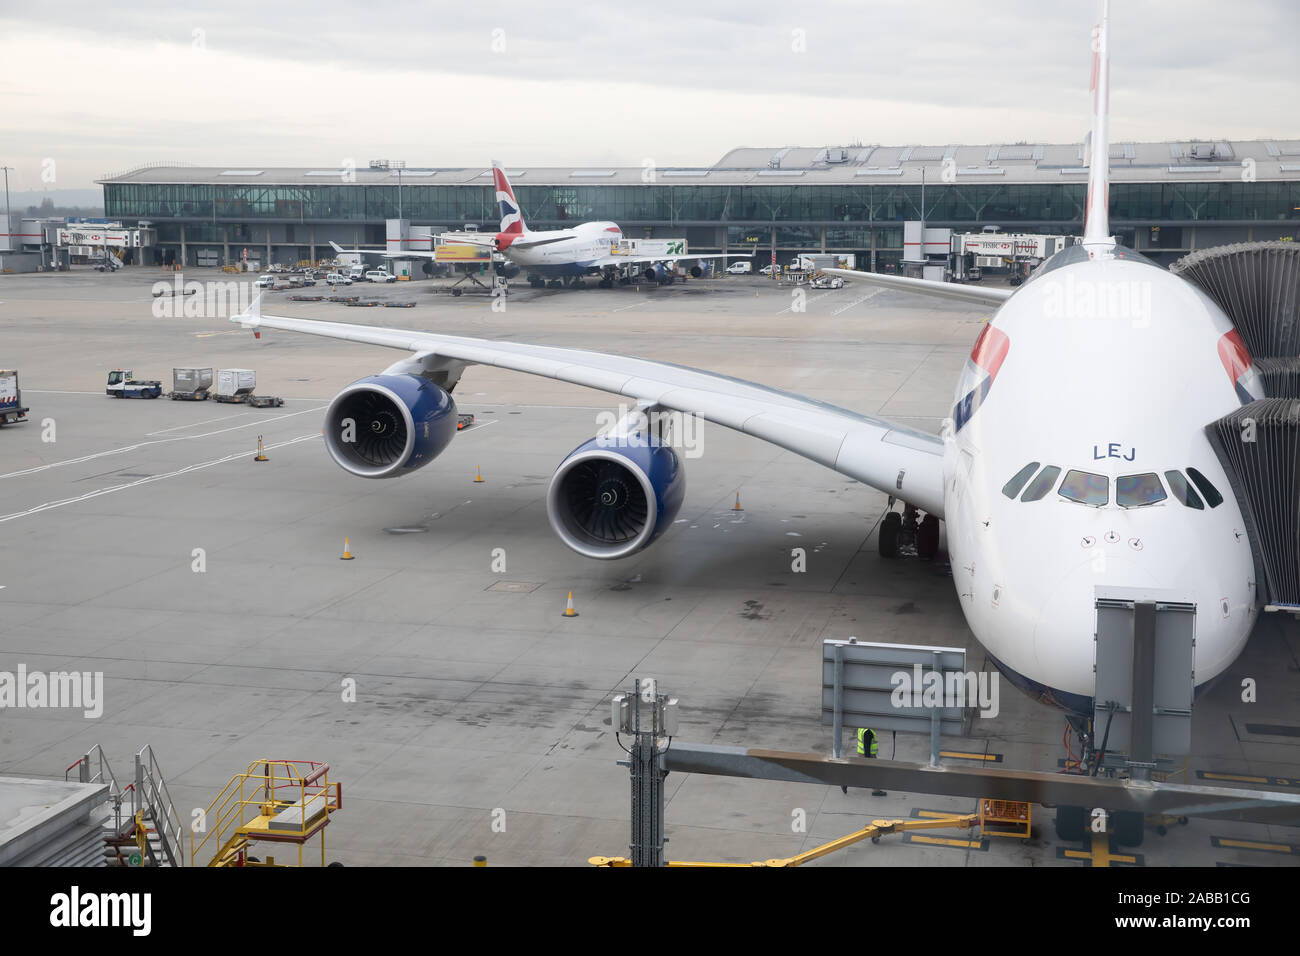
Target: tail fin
(1096,217)
(512,218)
(251,317)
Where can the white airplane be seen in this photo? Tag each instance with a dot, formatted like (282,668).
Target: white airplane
(564,255)
(1075,456)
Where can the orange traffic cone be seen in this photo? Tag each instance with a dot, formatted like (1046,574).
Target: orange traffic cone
(347,551)
(478,475)
(736,506)
(569,611)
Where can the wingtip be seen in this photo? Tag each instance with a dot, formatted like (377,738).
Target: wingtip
(252,315)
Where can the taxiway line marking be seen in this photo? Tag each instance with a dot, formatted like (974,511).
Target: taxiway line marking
(858,301)
(958,755)
(1284,848)
(206,421)
(64,502)
(815,298)
(1243,778)
(945,841)
(634,305)
(145,444)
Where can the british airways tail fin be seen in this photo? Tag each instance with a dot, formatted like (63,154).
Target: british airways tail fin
(512,218)
(1096,218)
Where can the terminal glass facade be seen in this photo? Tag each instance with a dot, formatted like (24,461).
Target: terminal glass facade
(700,204)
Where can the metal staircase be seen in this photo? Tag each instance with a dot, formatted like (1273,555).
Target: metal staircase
(144,830)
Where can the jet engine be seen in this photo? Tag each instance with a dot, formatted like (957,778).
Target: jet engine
(612,497)
(655,272)
(388,425)
(697,270)
(507,268)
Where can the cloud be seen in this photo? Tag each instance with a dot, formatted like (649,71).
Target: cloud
(675,82)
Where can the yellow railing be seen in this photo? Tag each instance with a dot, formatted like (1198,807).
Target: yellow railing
(267,788)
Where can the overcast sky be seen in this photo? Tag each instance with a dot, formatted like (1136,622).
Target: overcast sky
(88,89)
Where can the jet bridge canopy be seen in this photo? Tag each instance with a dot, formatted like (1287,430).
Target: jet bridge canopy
(1259,446)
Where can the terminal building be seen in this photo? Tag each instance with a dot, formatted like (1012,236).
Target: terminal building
(1166,199)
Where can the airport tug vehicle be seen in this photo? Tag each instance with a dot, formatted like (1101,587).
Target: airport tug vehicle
(122,383)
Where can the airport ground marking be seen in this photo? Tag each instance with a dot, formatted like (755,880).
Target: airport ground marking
(1099,854)
(806,303)
(1227,843)
(1248,778)
(959,755)
(51,505)
(156,441)
(206,421)
(956,843)
(858,301)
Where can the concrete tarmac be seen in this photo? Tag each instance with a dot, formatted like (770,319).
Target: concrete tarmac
(140,539)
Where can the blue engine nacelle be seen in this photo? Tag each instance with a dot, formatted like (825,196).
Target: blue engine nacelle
(612,496)
(697,270)
(507,269)
(389,425)
(655,272)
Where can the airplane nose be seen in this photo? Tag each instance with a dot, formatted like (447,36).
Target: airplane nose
(1063,635)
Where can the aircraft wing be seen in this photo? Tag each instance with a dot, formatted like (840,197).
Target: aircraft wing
(531,243)
(940,290)
(409,253)
(612,260)
(894,459)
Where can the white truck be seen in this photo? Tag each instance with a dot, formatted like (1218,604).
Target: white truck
(11,398)
(815,261)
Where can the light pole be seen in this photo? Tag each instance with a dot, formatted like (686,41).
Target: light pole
(9,243)
(399,165)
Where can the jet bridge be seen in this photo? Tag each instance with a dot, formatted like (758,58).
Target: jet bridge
(1257,284)
(1259,447)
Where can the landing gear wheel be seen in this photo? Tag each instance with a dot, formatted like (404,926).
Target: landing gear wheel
(889,529)
(927,538)
(1128,827)
(457,292)
(1071,824)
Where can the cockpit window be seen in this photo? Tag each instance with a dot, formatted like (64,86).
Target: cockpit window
(1040,486)
(1133,491)
(1085,488)
(1212,496)
(1012,487)
(1183,491)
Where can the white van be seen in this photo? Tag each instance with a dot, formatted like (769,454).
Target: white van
(741,268)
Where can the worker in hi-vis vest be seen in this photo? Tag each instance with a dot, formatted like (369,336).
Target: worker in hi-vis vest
(868,746)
